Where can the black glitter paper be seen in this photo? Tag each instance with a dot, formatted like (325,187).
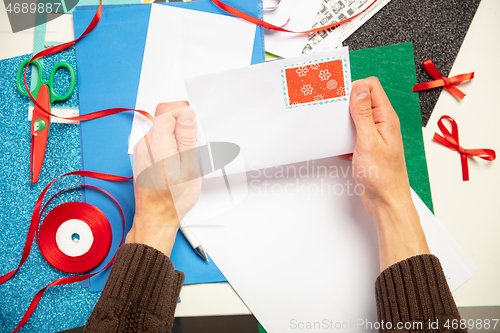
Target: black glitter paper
(437,29)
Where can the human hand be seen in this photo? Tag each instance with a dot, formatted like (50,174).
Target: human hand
(166,176)
(379,169)
(378,160)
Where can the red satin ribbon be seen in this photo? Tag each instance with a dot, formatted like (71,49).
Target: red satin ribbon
(59,48)
(450,140)
(266,25)
(83,214)
(442,81)
(99,226)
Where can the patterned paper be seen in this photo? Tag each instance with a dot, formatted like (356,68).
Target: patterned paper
(319,81)
(332,11)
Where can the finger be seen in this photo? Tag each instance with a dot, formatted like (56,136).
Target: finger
(147,174)
(346,157)
(379,98)
(385,118)
(166,116)
(161,137)
(185,130)
(174,107)
(185,134)
(361,111)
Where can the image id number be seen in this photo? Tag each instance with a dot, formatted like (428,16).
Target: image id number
(33,8)
(484,324)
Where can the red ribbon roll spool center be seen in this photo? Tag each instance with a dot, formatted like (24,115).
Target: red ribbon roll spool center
(98,224)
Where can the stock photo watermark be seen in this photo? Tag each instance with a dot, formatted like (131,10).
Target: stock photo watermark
(365,324)
(327,179)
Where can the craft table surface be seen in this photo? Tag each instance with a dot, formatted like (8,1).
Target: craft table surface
(468,210)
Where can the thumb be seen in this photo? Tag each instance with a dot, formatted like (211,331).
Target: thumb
(185,135)
(361,110)
(185,130)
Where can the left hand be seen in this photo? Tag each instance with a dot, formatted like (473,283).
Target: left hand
(166,176)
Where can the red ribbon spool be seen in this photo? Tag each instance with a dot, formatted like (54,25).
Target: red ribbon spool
(89,214)
(99,226)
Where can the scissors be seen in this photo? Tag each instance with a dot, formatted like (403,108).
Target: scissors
(45,95)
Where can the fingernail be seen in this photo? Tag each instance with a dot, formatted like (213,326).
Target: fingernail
(187,117)
(361,90)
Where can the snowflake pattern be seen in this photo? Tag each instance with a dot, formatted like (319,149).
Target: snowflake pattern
(332,84)
(314,82)
(307,89)
(324,75)
(314,67)
(302,71)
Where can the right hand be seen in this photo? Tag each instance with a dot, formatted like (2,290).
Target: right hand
(378,160)
(379,169)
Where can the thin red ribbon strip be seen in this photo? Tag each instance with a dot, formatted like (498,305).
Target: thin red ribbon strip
(450,140)
(34,225)
(59,48)
(442,81)
(266,25)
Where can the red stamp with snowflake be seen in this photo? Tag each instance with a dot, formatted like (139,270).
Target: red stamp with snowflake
(317,82)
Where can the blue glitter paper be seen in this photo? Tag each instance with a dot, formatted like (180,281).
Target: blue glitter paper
(61,307)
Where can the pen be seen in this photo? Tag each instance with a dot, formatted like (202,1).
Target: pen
(195,243)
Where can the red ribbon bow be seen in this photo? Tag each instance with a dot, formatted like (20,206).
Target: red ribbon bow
(442,81)
(450,140)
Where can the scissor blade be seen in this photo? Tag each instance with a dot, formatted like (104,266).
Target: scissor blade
(40,124)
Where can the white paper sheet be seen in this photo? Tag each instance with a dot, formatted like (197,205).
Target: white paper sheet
(301,248)
(246,106)
(183,43)
(301,15)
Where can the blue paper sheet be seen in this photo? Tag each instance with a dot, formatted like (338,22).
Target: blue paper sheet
(109,62)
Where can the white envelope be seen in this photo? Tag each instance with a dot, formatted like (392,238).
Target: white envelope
(250,107)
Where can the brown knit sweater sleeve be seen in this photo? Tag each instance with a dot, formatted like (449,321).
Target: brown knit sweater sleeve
(140,295)
(414,292)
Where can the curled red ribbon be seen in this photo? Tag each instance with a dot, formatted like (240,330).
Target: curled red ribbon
(442,81)
(266,25)
(83,213)
(450,140)
(59,48)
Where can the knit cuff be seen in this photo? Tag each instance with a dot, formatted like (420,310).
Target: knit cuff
(142,288)
(414,292)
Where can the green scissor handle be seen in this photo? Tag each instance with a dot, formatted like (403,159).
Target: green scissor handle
(20,78)
(50,84)
(53,95)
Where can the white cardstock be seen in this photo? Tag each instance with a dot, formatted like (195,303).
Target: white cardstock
(183,43)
